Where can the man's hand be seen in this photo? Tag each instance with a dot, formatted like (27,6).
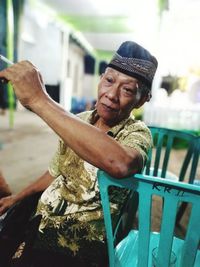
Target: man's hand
(6,203)
(26,81)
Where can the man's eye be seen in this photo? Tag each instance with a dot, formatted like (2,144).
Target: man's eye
(109,80)
(128,90)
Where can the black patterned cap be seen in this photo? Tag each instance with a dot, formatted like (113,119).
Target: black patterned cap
(135,61)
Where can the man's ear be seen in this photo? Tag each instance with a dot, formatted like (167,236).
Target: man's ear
(144,98)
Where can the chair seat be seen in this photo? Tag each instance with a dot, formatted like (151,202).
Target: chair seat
(126,252)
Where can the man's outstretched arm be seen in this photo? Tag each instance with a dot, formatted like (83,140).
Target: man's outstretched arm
(90,143)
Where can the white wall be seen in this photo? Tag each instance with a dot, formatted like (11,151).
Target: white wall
(40,43)
(76,69)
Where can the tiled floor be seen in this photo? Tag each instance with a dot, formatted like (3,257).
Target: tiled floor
(26,149)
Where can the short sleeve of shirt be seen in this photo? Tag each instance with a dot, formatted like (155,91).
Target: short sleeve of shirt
(138,136)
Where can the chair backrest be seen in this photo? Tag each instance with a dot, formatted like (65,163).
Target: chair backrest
(173,193)
(161,161)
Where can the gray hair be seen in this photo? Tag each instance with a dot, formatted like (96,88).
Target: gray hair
(145,90)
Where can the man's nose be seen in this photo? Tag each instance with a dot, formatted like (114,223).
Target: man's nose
(113,93)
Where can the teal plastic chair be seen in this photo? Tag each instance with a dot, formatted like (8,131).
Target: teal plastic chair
(160,156)
(136,248)
(160,160)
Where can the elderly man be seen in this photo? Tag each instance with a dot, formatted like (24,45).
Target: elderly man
(107,138)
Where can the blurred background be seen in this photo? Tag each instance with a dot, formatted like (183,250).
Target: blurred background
(71,41)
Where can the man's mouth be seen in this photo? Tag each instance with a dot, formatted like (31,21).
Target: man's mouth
(109,108)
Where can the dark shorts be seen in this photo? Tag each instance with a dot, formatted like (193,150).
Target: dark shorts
(38,258)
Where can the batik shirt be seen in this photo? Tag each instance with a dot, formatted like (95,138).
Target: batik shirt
(70,206)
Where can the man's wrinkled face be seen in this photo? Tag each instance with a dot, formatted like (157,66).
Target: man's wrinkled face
(118,94)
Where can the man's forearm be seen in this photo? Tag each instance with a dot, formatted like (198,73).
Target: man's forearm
(39,185)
